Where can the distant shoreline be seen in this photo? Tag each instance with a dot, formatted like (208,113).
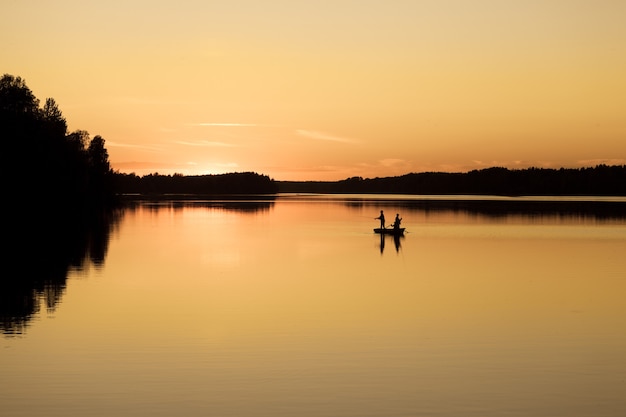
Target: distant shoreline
(601,180)
(374,197)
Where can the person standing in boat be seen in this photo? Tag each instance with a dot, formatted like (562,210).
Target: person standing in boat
(382,219)
(396,222)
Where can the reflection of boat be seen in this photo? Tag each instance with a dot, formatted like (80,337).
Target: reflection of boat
(390,231)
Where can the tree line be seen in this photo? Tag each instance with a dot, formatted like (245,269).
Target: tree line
(601,180)
(42,162)
(232,183)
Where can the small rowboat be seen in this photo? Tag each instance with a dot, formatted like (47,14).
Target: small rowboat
(390,231)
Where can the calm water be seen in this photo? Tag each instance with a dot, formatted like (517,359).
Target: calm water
(293,307)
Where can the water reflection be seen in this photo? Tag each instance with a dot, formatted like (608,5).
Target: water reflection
(396,241)
(44,251)
(242,205)
(41,251)
(504,209)
(212,310)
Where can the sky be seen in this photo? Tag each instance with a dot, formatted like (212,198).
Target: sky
(326,90)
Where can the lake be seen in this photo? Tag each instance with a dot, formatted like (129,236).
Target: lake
(292,306)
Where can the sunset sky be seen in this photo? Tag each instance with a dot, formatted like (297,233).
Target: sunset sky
(325,90)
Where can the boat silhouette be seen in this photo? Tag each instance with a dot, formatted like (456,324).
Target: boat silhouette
(390,231)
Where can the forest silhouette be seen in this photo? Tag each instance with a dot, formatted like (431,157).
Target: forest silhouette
(601,180)
(218,184)
(41,160)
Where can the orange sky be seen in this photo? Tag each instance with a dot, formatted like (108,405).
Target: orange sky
(324,90)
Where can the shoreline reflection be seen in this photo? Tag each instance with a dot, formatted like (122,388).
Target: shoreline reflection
(509,211)
(44,250)
(238,205)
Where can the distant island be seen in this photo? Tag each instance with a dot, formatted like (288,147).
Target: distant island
(244,183)
(601,180)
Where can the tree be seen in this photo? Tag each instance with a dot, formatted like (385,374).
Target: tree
(78,140)
(40,161)
(53,118)
(100,173)
(18,119)
(16,98)
(97,156)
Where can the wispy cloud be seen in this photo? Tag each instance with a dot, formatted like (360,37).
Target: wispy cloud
(312,134)
(151,148)
(213,165)
(205,144)
(393,162)
(384,167)
(478,164)
(593,162)
(150,101)
(225,165)
(187,168)
(146,166)
(224,124)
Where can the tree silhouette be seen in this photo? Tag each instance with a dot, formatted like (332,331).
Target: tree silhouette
(99,169)
(53,118)
(41,162)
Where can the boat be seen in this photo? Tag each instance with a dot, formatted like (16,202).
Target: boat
(389,231)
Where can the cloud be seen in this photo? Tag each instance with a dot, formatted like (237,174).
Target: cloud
(168,168)
(213,165)
(149,101)
(312,134)
(477,164)
(393,162)
(594,162)
(151,148)
(224,124)
(225,164)
(145,166)
(205,143)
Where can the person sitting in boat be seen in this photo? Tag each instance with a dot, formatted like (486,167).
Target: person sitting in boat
(382,219)
(396,222)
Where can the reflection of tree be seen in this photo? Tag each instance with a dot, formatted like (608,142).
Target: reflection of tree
(494,209)
(242,205)
(40,254)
